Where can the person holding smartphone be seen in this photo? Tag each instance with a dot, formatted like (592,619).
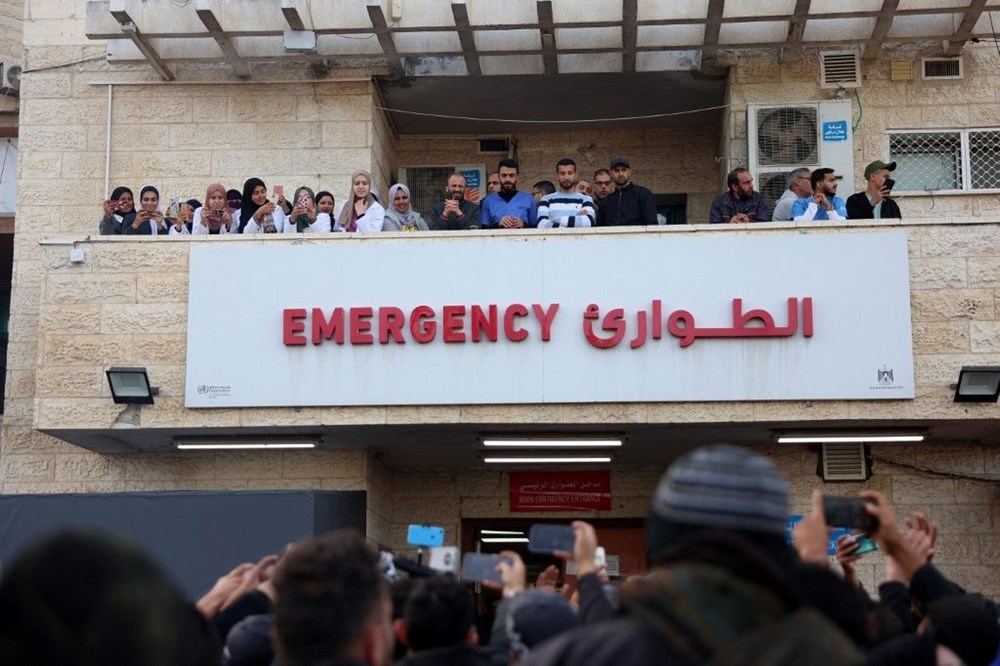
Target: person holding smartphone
(875,202)
(149,220)
(119,212)
(214,217)
(305,218)
(258,215)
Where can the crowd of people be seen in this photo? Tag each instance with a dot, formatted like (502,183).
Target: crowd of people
(724,587)
(610,199)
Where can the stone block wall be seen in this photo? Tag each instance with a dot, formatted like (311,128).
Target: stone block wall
(665,161)
(884,105)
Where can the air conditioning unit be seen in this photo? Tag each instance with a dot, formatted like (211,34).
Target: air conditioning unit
(844,462)
(839,69)
(494,145)
(10,76)
(937,69)
(784,137)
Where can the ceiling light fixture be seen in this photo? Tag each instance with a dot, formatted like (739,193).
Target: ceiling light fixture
(208,444)
(841,438)
(504,539)
(562,460)
(541,443)
(502,532)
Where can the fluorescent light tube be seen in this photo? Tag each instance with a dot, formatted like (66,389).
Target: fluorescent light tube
(555,461)
(553,443)
(207,445)
(504,539)
(502,532)
(846,439)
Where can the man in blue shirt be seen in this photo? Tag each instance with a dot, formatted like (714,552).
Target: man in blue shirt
(824,203)
(508,208)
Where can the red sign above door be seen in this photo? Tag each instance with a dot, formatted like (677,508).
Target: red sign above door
(560,491)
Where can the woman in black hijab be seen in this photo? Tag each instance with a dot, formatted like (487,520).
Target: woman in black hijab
(119,212)
(258,215)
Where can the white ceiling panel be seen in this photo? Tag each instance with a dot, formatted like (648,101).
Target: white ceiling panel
(507,12)
(508,40)
(667,61)
(423,42)
(586,63)
(652,10)
(924,26)
(588,38)
(348,44)
(577,11)
(825,30)
(670,35)
(840,6)
(756,32)
(424,13)
(512,64)
(931,4)
(759,8)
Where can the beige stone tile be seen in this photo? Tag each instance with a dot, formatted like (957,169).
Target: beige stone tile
(426,483)
(989,549)
(89,467)
(338,134)
(427,510)
(76,413)
(956,459)
(18,440)
(144,318)
(917,490)
(248,465)
(948,304)
(965,241)
(33,467)
(170,467)
(962,518)
(162,288)
(938,273)
(975,492)
(944,337)
(70,381)
(85,350)
(323,464)
(141,256)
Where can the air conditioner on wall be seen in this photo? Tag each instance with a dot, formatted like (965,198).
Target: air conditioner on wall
(10,76)
(783,137)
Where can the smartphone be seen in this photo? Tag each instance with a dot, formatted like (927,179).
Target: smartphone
(481,567)
(548,538)
(425,535)
(600,558)
(279,191)
(889,184)
(303,200)
(847,512)
(444,559)
(173,208)
(865,544)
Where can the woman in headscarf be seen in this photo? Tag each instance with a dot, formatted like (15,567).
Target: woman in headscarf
(305,218)
(400,215)
(325,203)
(214,217)
(258,215)
(149,220)
(360,211)
(119,212)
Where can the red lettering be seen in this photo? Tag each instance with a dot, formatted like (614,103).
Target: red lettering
(361,326)
(292,326)
(326,329)
(510,328)
(657,319)
(481,323)
(545,317)
(390,322)
(423,328)
(452,323)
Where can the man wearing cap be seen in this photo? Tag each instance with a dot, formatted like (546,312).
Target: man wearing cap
(629,204)
(874,202)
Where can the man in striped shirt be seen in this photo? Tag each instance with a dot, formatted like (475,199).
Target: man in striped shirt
(566,207)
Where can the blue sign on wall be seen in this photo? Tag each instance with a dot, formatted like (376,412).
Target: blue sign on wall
(471,178)
(835,131)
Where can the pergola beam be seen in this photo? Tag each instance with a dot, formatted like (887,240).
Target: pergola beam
(292,17)
(713,24)
(796,28)
(377,17)
(129,29)
(208,17)
(961,36)
(461,13)
(547,29)
(882,26)
(630,32)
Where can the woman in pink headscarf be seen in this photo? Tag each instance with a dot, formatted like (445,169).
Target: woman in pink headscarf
(360,211)
(214,217)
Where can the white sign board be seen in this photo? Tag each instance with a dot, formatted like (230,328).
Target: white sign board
(549,319)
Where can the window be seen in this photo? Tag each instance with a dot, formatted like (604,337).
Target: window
(946,160)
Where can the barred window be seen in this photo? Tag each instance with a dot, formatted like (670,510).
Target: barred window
(946,160)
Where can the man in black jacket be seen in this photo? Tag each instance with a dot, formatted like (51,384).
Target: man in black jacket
(629,204)
(875,201)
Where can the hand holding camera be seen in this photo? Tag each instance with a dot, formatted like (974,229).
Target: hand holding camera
(110,206)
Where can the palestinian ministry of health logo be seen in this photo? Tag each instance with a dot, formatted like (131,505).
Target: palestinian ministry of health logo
(884,379)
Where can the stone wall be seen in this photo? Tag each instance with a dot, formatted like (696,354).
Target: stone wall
(885,105)
(665,161)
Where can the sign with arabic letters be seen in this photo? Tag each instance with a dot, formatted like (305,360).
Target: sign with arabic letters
(540,317)
(560,491)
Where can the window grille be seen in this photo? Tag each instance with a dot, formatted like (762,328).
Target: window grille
(927,161)
(984,159)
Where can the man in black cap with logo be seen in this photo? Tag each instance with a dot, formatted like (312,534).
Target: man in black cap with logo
(875,202)
(629,204)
